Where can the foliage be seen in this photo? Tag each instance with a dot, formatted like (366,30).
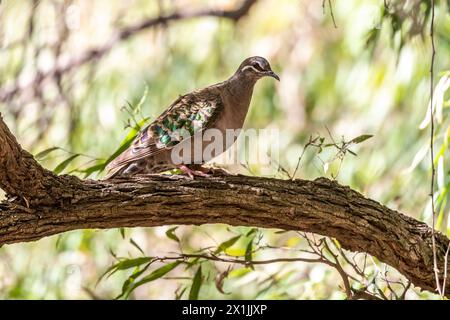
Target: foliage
(367,76)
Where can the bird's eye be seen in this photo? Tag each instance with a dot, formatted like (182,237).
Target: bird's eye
(257,66)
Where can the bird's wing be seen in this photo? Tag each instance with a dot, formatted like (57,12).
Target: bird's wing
(187,115)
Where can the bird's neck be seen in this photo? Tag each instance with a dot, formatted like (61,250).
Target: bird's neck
(239,91)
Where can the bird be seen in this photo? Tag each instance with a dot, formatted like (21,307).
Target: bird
(222,106)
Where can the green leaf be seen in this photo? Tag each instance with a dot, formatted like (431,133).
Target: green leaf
(171,234)
(127,141)
(131,263)
(158,273)
(196,284)
(141,101)
(226,244)
(249,253)
(124,265)
(251,232)
(361,138)
(45,152)
(60,167)
(126,285)
(136,245)
(88,171)
(178,295)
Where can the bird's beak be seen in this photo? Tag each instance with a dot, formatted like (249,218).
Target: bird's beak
(273,75)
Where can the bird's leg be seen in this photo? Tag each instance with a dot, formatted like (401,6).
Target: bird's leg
(191,173)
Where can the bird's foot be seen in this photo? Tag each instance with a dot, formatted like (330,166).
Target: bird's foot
(191,173)
(215,171)
(211,170)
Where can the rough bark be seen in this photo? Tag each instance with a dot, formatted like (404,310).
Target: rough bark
(57,204)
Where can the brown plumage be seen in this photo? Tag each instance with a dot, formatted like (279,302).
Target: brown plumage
(221,106)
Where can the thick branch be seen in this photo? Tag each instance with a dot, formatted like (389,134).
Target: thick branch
(21,176)
(321,206)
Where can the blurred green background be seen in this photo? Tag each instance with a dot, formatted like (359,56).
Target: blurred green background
(367,75)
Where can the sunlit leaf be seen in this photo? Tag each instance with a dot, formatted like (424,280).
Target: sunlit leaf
(226,244)
(292,241)
(240,272)
(235,252)
(337,243)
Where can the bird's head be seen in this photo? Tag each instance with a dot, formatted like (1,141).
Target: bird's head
(256,68)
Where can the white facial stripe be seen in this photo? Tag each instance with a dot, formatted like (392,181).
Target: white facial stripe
(251,67)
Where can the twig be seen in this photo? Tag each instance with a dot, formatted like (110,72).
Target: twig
(310,142)
(433,210)
(331,11)
(213,257)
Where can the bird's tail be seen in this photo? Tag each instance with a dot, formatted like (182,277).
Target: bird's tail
(113,173)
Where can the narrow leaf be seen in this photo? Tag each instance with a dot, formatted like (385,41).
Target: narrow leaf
(131,263)
(171,234)
(45,152)
(158,273)
(137,273)
(60,167)
(196,284)
(226,244)
(127,141)
(136,245)
(90,170)
(249,254)
(178,295)
(125,264)
(251,232)
(361,138)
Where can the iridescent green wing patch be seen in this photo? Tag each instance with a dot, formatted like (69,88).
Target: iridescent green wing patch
(187,115)
(187,118)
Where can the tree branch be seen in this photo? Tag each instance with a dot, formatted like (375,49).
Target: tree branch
(57,204)
(123,34)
